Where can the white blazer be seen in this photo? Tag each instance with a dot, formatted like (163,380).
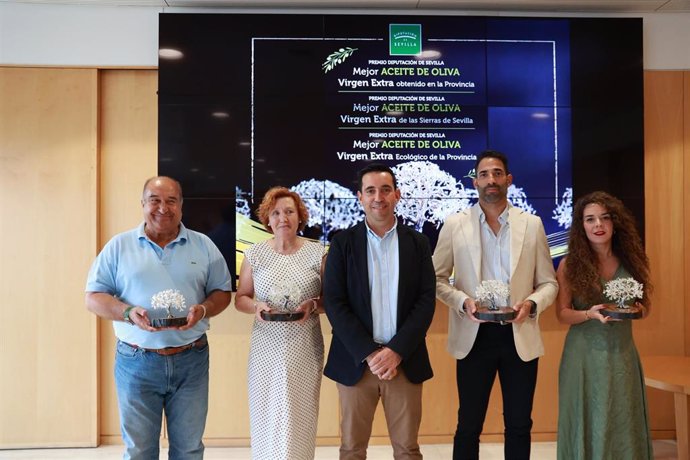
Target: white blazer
(532,276)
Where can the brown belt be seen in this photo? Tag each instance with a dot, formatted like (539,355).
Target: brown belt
(201,342)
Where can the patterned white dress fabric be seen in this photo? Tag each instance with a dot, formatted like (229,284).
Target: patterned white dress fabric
(285,358)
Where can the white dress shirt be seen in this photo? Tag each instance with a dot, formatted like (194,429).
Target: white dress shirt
(496,250)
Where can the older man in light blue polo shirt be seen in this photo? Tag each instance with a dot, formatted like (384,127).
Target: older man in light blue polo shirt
(160,369)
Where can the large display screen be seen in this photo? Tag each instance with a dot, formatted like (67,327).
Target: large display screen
(305,101)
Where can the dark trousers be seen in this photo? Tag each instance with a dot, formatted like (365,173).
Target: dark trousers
(494,351)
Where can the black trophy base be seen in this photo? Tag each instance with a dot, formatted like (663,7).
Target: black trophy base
(612,311)
(168,322)
(289,316)
(497,316)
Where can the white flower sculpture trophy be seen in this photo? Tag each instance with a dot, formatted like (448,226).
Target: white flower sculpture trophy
(168,300)
(493,296)
(283,298)
(623,291)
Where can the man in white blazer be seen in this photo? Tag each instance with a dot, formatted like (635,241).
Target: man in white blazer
(493,240)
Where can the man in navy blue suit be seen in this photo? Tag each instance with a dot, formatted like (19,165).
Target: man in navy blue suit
(379,295)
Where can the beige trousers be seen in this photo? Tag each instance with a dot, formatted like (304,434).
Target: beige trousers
(402,406)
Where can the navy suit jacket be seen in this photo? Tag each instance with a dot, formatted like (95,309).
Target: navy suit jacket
(347,301)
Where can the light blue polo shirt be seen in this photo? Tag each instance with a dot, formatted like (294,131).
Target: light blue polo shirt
(133,268)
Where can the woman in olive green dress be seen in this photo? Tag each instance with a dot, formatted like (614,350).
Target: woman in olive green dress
(602,410)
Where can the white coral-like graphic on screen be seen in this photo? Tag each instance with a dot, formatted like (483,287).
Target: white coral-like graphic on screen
(563,214)
(429,194)
(518,198)
(241,203)
(331,206)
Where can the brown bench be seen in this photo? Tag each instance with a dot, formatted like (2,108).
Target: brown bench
(672,373)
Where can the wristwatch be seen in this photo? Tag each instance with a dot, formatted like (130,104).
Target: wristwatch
(125,315)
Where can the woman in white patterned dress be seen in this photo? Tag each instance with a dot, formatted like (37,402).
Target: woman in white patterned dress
(285,357)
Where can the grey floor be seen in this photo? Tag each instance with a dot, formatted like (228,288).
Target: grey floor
(540,451)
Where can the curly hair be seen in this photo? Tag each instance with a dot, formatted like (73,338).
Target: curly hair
(582,266)
(269,202)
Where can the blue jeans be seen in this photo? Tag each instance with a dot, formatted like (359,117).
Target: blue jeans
(148,384)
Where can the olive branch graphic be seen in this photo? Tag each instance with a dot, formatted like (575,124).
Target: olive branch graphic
(336,58)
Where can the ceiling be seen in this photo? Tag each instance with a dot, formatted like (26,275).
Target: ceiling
(557,6)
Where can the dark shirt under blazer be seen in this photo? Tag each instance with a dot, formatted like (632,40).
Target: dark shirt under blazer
(347,301)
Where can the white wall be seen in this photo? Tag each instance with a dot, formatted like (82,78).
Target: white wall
(94,36)
(667,41)
(67,35)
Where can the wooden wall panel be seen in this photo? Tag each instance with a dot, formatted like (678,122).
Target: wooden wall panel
(664,331)
(128,156)
(228,419)
(686,205)
(48,149)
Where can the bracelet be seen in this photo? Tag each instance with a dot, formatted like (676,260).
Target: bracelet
(125,315)
(587,314)
(314,306)
(204,307)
